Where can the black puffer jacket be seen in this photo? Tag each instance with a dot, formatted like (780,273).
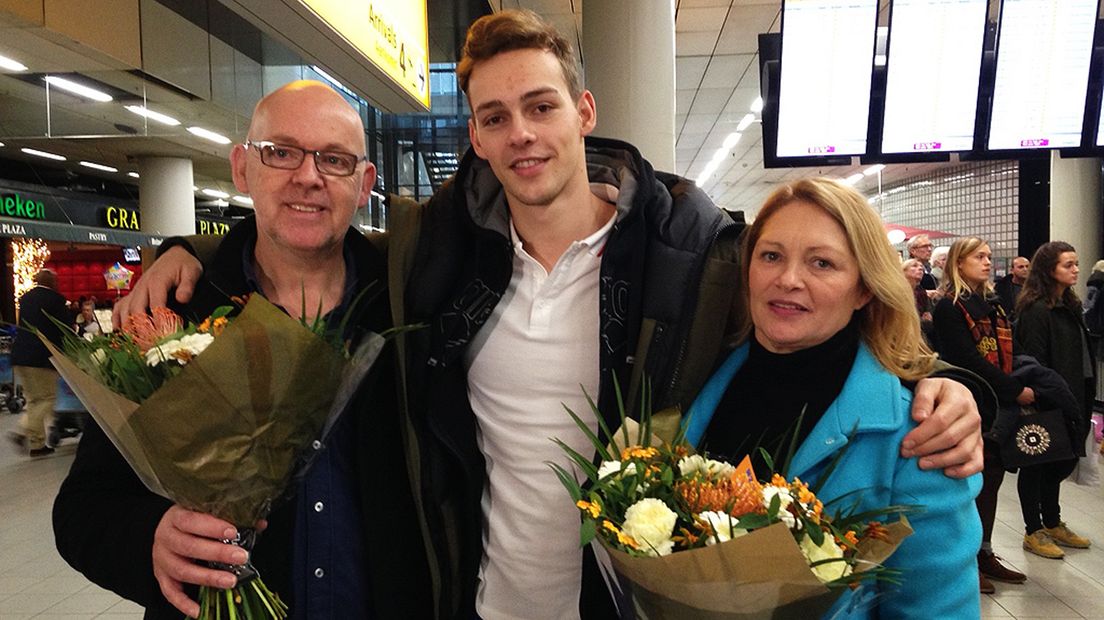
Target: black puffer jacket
(668,271)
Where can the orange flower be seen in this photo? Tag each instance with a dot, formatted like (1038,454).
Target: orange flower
(215,327)
(638,452)
(850,537)
(877,531)
(591,508)
(735,495)
(622,537)
(147,329)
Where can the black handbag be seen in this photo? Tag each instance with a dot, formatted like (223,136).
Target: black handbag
(1039,437)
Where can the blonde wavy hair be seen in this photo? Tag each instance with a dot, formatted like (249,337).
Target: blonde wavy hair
(888,323)
(952,284)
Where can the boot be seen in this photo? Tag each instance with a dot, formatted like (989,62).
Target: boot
(1066,537)
(990,566)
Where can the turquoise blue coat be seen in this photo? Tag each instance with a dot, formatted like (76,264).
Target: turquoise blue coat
(939,561)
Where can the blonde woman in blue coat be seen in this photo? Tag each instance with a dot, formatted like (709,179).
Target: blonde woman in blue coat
(833,332)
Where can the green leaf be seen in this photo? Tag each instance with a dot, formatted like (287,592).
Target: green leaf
(587,531)
(568,481)
(599,446)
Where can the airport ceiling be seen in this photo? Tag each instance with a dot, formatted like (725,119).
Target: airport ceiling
(716,82)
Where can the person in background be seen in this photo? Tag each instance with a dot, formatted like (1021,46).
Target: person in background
(1094,284)
(87,323)
(938,259)
(920,247)
(41,309)
(1050,328)
(972,331)
(830,335)
(1008,287)
(914,273)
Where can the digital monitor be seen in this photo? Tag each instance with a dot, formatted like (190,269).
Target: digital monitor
(932,74)
(1044,48)
(827,60)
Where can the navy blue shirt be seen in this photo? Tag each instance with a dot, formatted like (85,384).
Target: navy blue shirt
(329,560)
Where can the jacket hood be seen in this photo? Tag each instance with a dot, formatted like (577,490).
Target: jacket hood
(609,162)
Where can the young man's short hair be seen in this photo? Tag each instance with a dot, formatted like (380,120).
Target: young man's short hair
(516,29)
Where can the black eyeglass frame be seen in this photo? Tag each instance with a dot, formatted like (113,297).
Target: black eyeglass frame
(319,162)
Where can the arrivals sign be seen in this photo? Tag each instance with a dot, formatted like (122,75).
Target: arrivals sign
(393,34)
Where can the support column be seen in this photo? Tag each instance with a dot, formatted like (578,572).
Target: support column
(165,196)
(629,62)
(1076,209)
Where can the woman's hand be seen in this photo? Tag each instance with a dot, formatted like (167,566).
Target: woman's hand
(1026,397)
(949,433)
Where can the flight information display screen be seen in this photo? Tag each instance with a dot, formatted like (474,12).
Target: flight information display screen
(934,64)
(824,91)
(1043,52)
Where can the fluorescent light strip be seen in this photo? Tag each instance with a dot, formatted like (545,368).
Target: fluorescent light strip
(207,134)
(214,193)
(38,153)
(133,175)
(78,89)
(1,144)
(875,169)
(757,105)
(244,200)
(853,179)
(11,64)
(745,122)
(164,119)
(730,141)
(95,166)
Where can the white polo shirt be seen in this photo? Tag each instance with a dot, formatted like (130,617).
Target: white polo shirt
(537,352)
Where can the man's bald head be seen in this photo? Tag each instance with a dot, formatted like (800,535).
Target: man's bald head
(298,95)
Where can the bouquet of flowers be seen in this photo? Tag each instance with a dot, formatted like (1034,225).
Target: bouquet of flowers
(219,417)
(689,536)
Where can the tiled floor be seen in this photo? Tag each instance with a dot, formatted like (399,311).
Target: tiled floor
(36,583)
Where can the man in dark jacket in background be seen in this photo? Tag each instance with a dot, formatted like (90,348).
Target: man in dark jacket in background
(1008,287)
(31,360)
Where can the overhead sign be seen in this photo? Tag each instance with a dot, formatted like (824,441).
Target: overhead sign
(393,34)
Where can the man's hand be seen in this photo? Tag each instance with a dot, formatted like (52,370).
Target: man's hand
(181,538)
(176,267)
(949,433)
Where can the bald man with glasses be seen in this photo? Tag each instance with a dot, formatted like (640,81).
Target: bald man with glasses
(333,550)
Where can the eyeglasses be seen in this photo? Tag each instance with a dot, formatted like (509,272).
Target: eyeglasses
(926,246)
(284,157)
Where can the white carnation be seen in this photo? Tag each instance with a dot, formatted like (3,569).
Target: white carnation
(785,499)
(828,549)
(651,523)
(724,526)
(696,463)
(608,468)
(188,346)
(89,336)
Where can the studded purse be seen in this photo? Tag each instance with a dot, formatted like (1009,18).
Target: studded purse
(1039,437)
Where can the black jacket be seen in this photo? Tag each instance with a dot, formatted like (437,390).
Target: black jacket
(1007,291)
(651,283)
(104,518)
(956,344)
(1056,337)
(36,306)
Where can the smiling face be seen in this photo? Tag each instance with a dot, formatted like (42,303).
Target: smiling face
(302,210)
(974,268)
(1065,272)
(803,280)
(527,126)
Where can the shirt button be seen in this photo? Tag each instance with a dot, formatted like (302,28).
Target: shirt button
(829,441)
(318,506)
(318,572)
(317,445)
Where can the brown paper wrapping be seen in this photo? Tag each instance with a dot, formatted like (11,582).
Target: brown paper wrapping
(228,433)
(760,575)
